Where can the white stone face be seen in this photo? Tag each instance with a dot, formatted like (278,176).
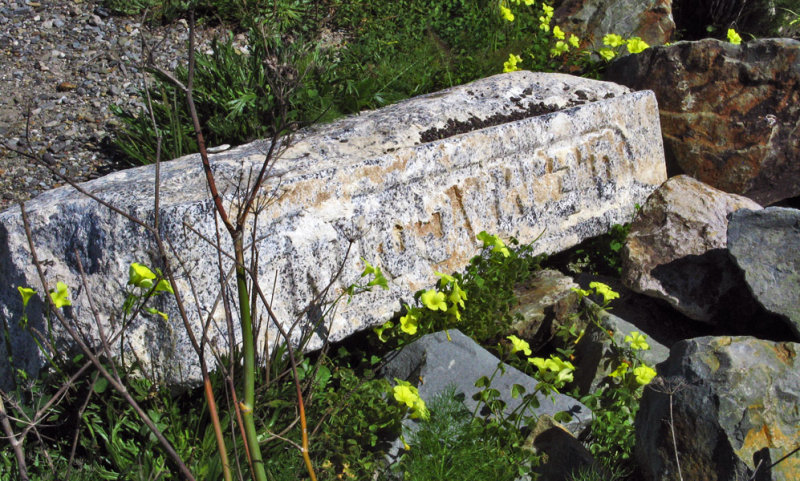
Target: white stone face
(410,206)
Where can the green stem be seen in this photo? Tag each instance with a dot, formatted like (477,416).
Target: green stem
(248,351)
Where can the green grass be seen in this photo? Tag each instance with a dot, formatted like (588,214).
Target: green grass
(454,445)
(388,51)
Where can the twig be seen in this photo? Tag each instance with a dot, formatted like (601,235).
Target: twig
(99,365)
(16,443)
(670,390)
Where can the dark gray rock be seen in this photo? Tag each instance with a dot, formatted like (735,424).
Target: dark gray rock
(436,362)
(565,454)
(733,401)
(766,246)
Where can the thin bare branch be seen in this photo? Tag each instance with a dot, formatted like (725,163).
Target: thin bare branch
(116,384)
(16,443)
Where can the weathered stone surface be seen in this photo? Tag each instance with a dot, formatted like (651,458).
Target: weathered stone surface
(566,456)
(544,302)
(411,206)
(734,399)
(591,20)
(595,350)
(676,247)
(730,113)
(460,361)
(765,244)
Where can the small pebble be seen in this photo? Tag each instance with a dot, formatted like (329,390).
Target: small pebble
(66,86)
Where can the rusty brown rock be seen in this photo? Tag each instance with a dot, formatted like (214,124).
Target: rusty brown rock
(676,248)
(729,113)
(591,20)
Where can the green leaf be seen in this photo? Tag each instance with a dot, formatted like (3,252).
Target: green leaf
(482,382)
(101,385)
(563,417)
(323,376)
(517,390)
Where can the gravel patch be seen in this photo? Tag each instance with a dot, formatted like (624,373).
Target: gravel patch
(66,62)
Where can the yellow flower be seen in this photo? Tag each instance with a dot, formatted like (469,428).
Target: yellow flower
(510,65)
(582,292)
(506,13)
(26,293)
(644,374)
(434,300)
(544,24)
(60,296)
(607,53)
(560,48)
(458,296)
(518,344)
(637,341)
(574,40)
(604,290)
(558,33)
(444,279)
(613,40)
(554,364)
(140,276)
(405,393)
(548,11)
(454,313)
(636,45)
(493,240)
(409,324)
(620,370)
(734,37)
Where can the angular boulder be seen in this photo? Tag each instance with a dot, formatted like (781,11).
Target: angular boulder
(734,403)
(436,362)
(591,20)
(675,250)
(407,187)
(729,113)
(765,244)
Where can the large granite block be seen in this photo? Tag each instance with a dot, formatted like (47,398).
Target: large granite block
(410,185)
